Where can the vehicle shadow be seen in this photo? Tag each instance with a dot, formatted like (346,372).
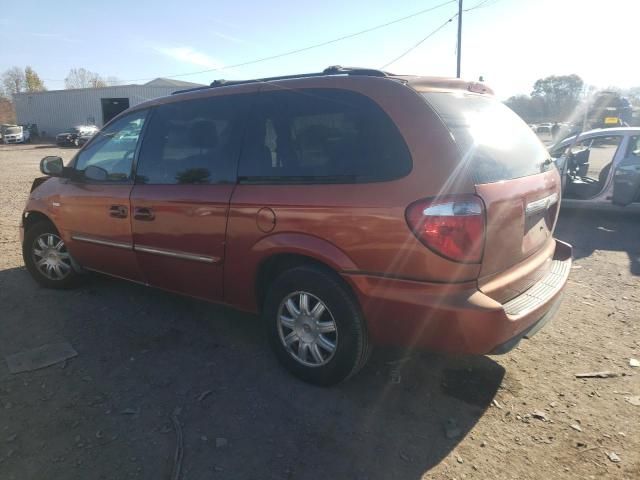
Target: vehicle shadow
(143,353)
(589,230)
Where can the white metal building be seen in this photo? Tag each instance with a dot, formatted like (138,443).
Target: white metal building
(54,111)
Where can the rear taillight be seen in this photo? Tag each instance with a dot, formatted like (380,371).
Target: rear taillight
(451,226)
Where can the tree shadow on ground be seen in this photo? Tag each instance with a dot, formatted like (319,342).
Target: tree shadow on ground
(589,231)
(143,353)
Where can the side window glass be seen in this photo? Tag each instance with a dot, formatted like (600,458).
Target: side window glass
(603,149)
(634,147)
(322,135)
(580,146)
(113,148)
(590,156)
(193,142)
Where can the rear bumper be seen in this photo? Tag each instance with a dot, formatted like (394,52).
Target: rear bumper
(528,332)
(458,318)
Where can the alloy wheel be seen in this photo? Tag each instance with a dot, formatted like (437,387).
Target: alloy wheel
(307,329)
(50,256)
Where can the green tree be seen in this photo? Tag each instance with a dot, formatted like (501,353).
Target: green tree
(33,83)
(529,108)
(560,95)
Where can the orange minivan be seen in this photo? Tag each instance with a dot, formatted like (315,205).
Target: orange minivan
(350,208)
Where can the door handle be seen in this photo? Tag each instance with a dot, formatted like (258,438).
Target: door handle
(118,211)
(143,213)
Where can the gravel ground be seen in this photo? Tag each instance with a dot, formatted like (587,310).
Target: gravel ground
(144,355)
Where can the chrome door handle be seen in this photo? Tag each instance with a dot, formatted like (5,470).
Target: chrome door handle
(118,211)
(143,213)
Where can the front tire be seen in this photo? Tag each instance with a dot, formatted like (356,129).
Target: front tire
(46,257)
(315,326)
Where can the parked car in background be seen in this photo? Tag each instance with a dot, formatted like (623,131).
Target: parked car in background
(15,134)
(600,168)
(76,136)
(544,128)
(350,208)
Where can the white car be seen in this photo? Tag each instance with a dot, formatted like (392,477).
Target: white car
(600,168)
(15,134)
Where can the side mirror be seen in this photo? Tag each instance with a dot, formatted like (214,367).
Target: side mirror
(52,166)
(93,172)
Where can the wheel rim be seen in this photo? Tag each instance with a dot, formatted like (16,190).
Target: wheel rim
(307,329)
(50,256)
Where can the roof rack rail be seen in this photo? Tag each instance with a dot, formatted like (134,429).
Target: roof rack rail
(332,70)
(340,70)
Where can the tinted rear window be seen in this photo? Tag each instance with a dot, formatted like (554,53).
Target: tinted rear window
(495,142)
(322,136)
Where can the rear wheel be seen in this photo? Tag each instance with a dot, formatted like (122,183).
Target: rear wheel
(46,257)
(315,326)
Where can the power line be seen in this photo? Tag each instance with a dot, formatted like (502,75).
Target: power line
(298,50)
(478,5)
(409,50)
(481,4)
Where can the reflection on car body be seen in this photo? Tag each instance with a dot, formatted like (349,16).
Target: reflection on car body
(76,136)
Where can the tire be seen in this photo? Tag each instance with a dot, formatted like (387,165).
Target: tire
(42,242)
(76,142)
(315,362)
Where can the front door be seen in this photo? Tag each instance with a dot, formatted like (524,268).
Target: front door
(590,164)
(94,204)
(185,176)
(626,186)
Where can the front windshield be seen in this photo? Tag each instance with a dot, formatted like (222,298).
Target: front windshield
(13,130)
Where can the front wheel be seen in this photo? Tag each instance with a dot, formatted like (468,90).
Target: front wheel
(46,257)
(315,326)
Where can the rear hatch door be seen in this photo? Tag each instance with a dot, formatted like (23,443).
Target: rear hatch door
(517,181)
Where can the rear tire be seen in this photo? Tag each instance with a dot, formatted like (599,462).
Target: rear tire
(46,257)
(315,326)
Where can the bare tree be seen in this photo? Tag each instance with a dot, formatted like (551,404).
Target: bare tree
(13,81)
(113,81)
(7,113)
(82,78)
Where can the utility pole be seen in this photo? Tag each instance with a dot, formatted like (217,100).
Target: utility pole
(459,36)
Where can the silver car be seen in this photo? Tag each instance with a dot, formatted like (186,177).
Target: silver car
(601,168)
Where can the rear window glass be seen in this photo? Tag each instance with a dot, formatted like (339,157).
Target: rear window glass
(322,136)
(494,141)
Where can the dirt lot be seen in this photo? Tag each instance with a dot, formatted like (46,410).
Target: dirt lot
(106,414)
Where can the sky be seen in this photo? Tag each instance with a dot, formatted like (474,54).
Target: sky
(510,43)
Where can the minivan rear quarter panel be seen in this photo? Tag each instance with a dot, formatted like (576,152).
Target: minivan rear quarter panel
(365,222)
